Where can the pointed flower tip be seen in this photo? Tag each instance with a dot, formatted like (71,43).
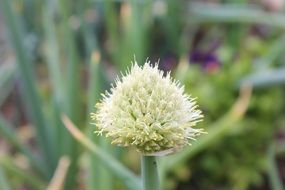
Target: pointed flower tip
(148,111)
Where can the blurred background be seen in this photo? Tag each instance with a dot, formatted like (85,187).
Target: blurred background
(58,56)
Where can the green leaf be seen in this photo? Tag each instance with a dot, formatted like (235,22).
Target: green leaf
(72,84)
(228,13)
(100,177)
(31,97)
(265,78)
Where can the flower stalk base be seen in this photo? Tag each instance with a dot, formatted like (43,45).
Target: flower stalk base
(149,173)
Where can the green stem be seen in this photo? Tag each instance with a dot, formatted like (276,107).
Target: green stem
(149,173)
(274,176)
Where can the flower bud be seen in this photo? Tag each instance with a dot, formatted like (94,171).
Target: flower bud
(146,110)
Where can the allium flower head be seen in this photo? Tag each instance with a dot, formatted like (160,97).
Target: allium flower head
(148,111)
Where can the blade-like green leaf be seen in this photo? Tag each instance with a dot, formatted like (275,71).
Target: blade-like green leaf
(112,28)
(94,87)
(31,96)
(100,177)
(265,78)
(73,65)
(58,104)
(72,84)
(234,14)
(52,55)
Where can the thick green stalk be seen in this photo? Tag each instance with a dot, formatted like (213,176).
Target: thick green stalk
(149,173)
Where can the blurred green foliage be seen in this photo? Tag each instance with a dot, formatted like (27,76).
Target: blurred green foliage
(68,52)
(238,161)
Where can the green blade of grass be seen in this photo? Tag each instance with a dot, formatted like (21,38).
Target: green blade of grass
(55,72)
(135,31)
(10,135)
(4,184)
(110,19)
(72,95)
(171,23)
(127,177)
(52,56)
(94,87)
(133,41)
(100,177)
(73,69)
(31,96)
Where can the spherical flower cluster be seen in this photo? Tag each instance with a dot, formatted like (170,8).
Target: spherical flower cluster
(148,111)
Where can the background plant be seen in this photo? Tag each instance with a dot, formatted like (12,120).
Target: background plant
(63,54)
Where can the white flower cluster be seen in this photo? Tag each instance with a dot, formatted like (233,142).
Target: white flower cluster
(148,111)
